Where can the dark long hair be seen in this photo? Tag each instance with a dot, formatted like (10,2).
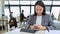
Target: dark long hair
(40,3)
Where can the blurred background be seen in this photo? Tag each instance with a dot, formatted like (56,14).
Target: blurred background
(15,7)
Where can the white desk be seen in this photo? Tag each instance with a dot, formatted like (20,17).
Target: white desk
(17,31)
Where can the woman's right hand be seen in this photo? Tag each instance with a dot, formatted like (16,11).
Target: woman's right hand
(32,27)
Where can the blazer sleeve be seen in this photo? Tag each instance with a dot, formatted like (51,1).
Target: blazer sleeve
(50,23)
(29,22)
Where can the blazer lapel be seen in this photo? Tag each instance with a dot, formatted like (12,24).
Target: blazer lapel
(42,21)
(34,19)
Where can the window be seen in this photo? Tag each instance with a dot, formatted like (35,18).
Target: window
(26,7)
(26,10)
(33,2)
(56,2)
(6,12)
(14,2)
(15,11)
(32,10)
(55,11)
(47,9)
(45,2)
(6,2)
(25,2)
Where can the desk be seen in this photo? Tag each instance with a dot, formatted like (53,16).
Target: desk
(17,31)
(4,22)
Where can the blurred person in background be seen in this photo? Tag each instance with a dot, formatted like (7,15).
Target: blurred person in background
(52,16)
(12,22)
(22,16)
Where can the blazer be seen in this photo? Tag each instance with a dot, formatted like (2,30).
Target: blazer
(46,21)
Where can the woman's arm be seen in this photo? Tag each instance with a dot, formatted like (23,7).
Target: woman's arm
(50,24)
(29,22)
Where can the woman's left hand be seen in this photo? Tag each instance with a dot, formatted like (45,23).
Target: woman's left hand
(40,27)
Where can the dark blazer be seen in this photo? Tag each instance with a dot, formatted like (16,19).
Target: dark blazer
(14,22)
(46,21)
(22,17)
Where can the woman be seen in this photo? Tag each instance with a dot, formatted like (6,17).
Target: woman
(40,20)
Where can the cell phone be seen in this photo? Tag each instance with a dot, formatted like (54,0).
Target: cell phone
(36,27)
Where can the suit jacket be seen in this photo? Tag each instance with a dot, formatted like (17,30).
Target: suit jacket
(14,21)
(22,17)
(46,21)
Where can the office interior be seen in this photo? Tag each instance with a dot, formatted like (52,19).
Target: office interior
(15,7)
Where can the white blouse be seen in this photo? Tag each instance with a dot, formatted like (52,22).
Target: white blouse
(38,20)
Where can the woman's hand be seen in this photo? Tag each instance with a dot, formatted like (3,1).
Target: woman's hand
(32,27)
(40,27)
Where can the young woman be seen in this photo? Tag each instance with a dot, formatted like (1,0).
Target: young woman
(40,20)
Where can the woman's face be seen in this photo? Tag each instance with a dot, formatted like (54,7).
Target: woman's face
(39,10)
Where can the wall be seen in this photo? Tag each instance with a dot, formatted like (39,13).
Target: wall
(1,7)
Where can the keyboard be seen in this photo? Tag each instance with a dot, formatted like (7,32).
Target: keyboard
(28,30)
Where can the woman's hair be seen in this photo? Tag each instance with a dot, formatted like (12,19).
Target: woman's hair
(40,3)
